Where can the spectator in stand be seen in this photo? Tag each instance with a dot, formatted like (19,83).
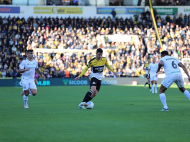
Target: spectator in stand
(113,13)
(127,58)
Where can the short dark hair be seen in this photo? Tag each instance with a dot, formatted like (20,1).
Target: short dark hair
(99,50)
(28,51)
(164,52)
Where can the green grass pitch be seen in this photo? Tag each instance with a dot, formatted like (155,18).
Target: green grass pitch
(120,114)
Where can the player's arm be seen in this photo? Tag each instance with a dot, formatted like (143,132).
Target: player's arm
(161,63)
(184,69)
(23,70)
(82,73)
(110,68)
(39,72)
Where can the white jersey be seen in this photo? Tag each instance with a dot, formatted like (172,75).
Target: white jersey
(28,64)
(170,65)
(153,67)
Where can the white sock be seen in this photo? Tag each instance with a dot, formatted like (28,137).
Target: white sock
(155,85)
(152,87)
(163,100)
(25,99)
(30,93)
(186,93)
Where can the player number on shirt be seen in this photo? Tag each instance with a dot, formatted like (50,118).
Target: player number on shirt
(174,65)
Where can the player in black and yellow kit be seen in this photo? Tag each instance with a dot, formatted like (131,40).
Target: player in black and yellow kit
(146,65)
(97,66)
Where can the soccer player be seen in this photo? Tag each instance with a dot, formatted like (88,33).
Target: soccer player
(147,75)
(173,74)
(153,75)
(28,68)
(97,66)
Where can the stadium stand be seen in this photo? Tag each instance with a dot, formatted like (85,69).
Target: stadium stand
(127,58)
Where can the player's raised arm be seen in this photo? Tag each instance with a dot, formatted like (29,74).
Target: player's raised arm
(184,69)
(109,67)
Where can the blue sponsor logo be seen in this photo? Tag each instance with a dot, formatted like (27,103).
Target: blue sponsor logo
(4,9)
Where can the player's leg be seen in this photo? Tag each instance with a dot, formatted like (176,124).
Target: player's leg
(152,82)
(33,92)
(152,86)
(155,83)
(166,83)
(163,98)
(146,76)
(180,84)
(155,86)
(88,96)
(185,92)
(25,84)
(33,88)
(149,83)
(92,92)
(98,85)
(22,92)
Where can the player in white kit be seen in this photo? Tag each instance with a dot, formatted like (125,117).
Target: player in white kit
(28,68)
(153,67)
(173,74)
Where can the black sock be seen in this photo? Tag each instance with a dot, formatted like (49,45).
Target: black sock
(149,86)
(146,83)
(88,96)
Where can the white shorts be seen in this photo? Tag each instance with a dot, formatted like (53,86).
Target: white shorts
(153,77)
(177,78)
(28,84)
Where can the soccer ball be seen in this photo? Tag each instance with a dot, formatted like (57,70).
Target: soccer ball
(90,105)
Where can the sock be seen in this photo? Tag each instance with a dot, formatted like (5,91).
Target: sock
(88,96)
(149,85)
(25,99)
(155,85)
(163,100)
(146,83)
(152,88)
(30,93)
(186,93)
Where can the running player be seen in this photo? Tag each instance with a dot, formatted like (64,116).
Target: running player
(35,80)
(153,67)
(28,68)
(147,75)
(173,74)
(97,66)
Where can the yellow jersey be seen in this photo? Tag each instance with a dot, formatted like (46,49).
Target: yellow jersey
(146,65)
(97,67)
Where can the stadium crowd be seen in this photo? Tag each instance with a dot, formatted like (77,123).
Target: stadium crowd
(76,35)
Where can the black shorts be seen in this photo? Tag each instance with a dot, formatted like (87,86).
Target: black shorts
(147,76)
(95,82)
